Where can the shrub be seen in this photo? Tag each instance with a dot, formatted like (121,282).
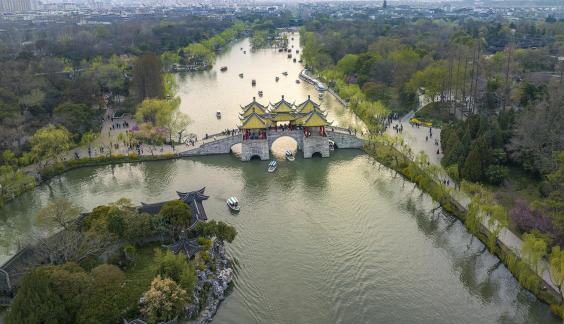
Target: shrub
(496,174)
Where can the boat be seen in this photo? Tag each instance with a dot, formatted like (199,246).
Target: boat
(223,68)
(297,81)
(285,73)
(331,145)
(218,114)
(233,204)
(260,93)
(254,82)
(241,75)
(272,166)
(276,79)
(289,156)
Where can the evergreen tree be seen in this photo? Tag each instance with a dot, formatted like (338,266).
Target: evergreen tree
(472,169)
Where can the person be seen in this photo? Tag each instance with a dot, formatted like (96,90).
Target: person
(426,138)
(438,152)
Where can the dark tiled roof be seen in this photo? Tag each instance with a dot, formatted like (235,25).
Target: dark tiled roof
(193,199)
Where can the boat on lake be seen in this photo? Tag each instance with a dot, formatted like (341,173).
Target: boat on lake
(223,68)
(241,75)
(272,166)
(233,204)
(218,114)
(289,156)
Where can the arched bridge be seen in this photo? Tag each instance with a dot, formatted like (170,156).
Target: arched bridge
(221,143)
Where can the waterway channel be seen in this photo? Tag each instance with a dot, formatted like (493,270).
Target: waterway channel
(336,240)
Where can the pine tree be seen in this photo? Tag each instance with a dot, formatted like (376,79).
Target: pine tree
(472,169)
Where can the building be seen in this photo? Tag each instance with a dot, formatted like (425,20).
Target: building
(12,6)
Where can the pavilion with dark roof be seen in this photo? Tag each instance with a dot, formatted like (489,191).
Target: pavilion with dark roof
(194,199)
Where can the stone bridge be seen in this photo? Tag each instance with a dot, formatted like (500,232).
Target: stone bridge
(222,144)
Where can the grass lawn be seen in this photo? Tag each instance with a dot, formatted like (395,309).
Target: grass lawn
(434,112)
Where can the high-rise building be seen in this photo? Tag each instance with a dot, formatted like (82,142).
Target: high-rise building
(15,5)
(385,4)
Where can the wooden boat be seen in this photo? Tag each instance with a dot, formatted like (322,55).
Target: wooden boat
(276,79)
(260,93)
(218,114)
(254,82)
(285,73)
(233,204)
(241,75)
(289,156)
(223,68)
(272,166)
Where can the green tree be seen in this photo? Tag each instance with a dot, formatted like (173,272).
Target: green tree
(472,169)
(77,118)
(50,142)
(175,267)
(533,249)
(177,214)
(557,270)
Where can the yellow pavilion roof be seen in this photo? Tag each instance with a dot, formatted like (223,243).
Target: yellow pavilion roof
(314,119)
(307,106)
(282,106)
(254,121)
(254,106)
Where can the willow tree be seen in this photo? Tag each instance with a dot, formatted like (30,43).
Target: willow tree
(533,249)
(557,270)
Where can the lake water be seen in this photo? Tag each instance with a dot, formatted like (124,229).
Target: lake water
(336,240)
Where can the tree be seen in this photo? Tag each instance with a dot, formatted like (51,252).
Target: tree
(50,142)
(538,133)
(176,267)
(177,214)
(77,118)
(58,214)
(164,300)
(533,249)
(557,270)
(157,112)
(472,169)
(225,232)
(106,299)
(177,124)
(49,294)
(147,78)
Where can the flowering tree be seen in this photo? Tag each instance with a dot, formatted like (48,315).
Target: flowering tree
(164,300)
